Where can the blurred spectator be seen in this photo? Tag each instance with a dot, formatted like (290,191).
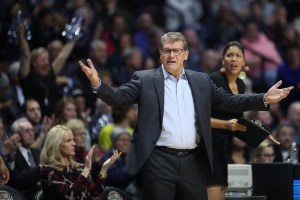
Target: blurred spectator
(264,153)
(32,112)
(13,94)
(39,79)
(120,118)
(63,178)
(262,57)
(102,117)
(65,109)
(9,49)
(195,47)
(256,15)
(293,117)
(209,61)
(10,108)
(289,39)
(277,22)
(292,7)
(131,61)
(111,35)
(142,37)
(79,133)
(241,8)
(115,60)
(116,175)
(24,166)
(222,28)
(289,73)
(239,152)
(47,25)
(267,119)
(80,102)
(98,53)
(178,14)
(285,135)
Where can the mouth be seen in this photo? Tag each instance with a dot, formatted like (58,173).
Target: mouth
(171,62)
(233,65)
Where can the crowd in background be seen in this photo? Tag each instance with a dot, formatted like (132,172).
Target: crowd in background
(42,85)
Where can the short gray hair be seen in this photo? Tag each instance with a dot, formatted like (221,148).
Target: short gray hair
(15,124)
(174,37)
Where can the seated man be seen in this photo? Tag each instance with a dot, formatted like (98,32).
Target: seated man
(24,166)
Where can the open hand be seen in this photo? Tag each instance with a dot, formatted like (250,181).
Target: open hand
(116,155)
(275,94)
(90,72)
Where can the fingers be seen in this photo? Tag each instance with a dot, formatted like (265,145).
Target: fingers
(89,62)
(271,138)
(91,151)
(277,84)
(91,65)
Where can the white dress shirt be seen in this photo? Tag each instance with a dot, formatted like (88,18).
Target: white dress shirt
(179,124)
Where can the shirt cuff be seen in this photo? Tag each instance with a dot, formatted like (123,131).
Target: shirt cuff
(95,89)
(266,104)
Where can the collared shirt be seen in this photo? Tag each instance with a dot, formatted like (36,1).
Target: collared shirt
(179,124)
(24,153)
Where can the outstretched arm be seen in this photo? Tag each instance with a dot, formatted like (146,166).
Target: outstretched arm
(60,60)
(25,52)
(275,94)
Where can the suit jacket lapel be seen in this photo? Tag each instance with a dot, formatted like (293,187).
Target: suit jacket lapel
(159,86)
(20,160)
(196,95)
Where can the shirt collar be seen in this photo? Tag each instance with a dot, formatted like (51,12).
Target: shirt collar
(23,150)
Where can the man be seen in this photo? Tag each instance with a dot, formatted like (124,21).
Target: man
(171,143)
(32,112)
(24,166)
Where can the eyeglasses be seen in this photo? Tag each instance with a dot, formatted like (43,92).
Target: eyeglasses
(177,52)
(267,155)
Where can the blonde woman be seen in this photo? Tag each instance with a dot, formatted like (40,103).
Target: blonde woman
(264,153)
(62,177)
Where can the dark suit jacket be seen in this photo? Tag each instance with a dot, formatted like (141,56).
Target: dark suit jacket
(23,177)
(146,88)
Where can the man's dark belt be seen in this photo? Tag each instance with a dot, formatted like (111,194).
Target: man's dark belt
(176,152)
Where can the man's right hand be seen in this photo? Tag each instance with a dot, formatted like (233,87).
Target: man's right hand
(91,73)
(10,146)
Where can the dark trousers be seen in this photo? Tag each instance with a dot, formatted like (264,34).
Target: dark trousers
(169,177)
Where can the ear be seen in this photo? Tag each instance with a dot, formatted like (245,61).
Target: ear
(222,69)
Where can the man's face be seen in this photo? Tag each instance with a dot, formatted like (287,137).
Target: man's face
(33,112)
(285,137)
(26,133)
(173,56)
